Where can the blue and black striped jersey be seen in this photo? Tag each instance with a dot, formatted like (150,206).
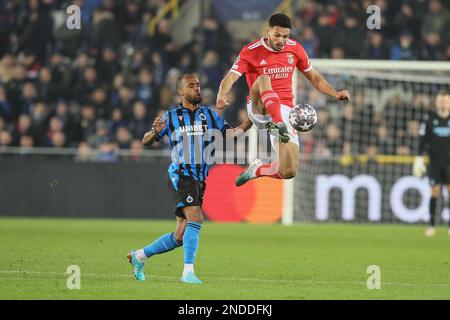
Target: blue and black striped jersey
(188,132)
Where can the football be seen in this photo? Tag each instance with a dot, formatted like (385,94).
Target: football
(303,117)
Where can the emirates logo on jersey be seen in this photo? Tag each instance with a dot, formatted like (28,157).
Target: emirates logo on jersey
(278,72)
(290,58)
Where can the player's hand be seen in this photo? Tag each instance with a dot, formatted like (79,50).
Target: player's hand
(222,101)
(343,95)
(158,124)
(419,168)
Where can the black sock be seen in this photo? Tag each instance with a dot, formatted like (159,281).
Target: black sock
(432,211)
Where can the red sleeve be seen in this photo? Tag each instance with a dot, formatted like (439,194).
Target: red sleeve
(241,65)
(304,63)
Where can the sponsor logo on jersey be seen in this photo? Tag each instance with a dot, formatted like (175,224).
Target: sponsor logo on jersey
(290,58)
(196,129)
(278,72)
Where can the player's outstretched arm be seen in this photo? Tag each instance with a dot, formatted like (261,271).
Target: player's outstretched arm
(244,126)
(321,84)
(224,90)
(158,126)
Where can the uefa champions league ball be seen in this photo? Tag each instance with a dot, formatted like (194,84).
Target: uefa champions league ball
(303,117)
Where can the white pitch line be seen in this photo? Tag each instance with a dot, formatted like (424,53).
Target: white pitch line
(100,275)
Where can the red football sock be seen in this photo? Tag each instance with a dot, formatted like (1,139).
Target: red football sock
(271,101)
(269,170)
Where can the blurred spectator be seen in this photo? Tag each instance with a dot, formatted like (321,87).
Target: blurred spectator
(100,103)
(5,138)
(334,139)
(84,152)
(106,152)
(145,91)
(101,135)
(69,123)
(432,47)
(116,121)
(22,128)
(107,65)
(436,21)
(85,86)
(123,138)
(385,142)
(87,123)
(136,149)
(46,88)
(404,49)
(140,122)
(352,29)
(37,30)
(376,47)
(310,42)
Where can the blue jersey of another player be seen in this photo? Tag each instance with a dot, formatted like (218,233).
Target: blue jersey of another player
(186,131)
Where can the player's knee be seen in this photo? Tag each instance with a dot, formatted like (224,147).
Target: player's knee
(264,82)
(288,172)
(194,215)
(198,219)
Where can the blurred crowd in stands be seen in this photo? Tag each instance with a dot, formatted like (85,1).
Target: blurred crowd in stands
(99,88)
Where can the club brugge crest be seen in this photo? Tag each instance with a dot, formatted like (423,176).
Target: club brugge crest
(290,58)
(202,116)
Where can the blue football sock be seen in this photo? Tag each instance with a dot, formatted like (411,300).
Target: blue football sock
(163,244)
(190,240)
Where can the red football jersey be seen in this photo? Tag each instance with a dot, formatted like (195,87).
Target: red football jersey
(258,58)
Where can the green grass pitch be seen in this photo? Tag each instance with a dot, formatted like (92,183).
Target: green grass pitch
(235,261)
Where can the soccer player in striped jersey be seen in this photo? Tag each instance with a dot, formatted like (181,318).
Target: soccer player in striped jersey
(269,64)
(186,126)
(435,142)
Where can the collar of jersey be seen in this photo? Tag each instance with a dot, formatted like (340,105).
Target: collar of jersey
(180,106)
(268,47)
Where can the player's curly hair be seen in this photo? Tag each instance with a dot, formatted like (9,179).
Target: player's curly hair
(280,20)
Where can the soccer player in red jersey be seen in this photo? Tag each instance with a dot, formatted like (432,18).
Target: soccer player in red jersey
(269,64)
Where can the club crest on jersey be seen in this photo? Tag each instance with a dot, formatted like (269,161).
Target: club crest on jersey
(189,199)
(202,116)
(290,58)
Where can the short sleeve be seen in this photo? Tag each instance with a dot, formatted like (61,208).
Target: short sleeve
(221,124)
(304,63)
(241,65)
(165,130)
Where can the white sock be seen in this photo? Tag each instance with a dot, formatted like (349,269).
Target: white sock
(188,268)
(140,255)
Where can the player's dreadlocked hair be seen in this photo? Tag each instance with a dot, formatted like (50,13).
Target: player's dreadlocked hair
(280,20)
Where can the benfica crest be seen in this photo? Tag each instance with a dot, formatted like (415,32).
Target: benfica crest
(290,58)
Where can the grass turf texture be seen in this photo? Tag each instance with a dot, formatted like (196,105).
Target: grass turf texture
(235,261)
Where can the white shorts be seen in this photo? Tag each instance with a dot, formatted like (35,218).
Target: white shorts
(260,120)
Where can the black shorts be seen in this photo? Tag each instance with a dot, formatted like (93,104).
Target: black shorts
(186,192)
(439,173)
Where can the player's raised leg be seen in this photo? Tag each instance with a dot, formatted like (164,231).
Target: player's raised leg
(288,153)
(165,243)
(264,97)
(194,217)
